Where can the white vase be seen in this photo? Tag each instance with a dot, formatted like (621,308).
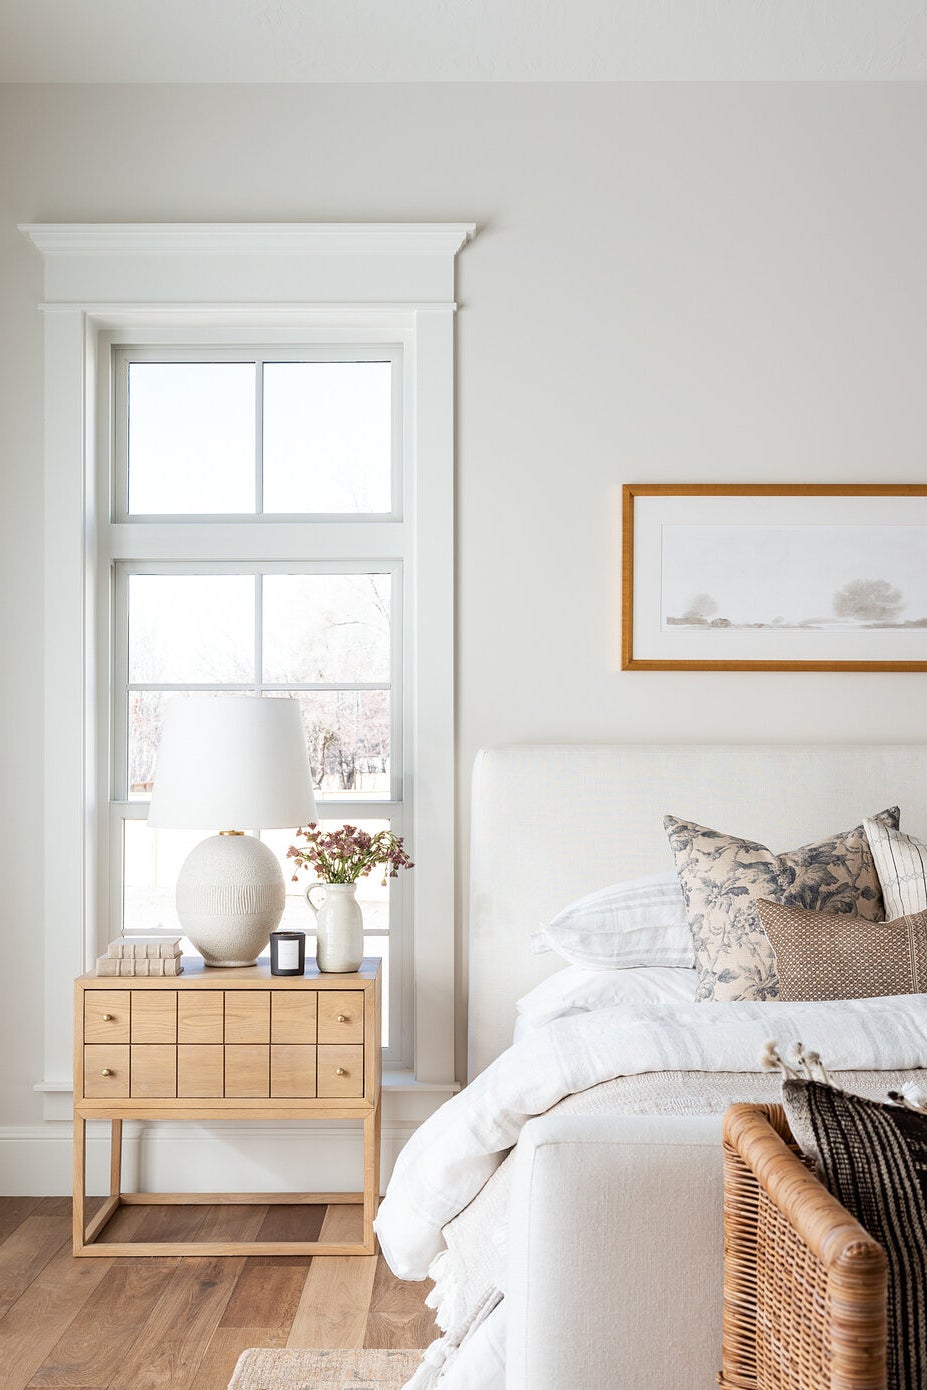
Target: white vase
(339,927)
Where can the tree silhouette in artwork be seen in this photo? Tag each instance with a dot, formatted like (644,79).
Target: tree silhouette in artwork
(869,600)
(702,607)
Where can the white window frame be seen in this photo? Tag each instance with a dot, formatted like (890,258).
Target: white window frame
(283,283)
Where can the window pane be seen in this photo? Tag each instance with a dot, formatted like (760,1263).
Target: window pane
(326,627)
(196,628)
(327,436)
(152,860)
(348,737)
(191,437)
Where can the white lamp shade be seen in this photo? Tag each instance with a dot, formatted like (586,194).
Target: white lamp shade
(232,763)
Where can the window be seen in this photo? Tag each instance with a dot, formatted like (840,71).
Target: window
(296,297)
(207,446)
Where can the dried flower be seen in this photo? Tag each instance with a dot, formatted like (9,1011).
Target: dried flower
(345,855)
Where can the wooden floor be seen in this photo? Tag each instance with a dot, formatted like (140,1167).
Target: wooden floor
(139,1323)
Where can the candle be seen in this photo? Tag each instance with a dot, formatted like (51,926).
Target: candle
(287,952)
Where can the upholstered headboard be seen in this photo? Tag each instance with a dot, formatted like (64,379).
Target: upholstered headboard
(551,822)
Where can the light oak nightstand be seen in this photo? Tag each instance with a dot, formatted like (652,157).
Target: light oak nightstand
(226,1044)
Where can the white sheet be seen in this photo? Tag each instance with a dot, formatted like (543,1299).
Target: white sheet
(457,1149)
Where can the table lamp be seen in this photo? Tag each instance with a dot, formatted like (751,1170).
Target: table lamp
(232,762)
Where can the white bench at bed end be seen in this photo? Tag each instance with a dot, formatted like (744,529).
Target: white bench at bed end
(551,822)
(615,1254)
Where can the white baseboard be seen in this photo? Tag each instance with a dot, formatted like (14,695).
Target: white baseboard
(321,1156)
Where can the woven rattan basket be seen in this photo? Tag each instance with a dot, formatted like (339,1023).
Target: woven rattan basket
(804,1285)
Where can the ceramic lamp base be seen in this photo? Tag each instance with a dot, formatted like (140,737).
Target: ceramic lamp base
(230,897)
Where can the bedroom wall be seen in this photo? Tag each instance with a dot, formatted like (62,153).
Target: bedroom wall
(670,282)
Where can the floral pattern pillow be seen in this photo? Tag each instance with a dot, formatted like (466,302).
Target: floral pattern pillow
(723,877)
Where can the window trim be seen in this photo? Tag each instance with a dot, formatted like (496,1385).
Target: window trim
(290,279)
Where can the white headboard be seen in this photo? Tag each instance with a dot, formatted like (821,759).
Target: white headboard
(551,822)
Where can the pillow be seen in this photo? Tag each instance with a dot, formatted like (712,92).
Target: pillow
(873,1158)
(722,878)
(820,955)
(638,922)
(901,863)
(574,991)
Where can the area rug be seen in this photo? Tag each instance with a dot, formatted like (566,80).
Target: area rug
(298,1369)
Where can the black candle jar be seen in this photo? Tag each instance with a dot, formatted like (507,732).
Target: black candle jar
(287,952)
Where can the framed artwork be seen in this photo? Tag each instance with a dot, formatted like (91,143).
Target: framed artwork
(768,577)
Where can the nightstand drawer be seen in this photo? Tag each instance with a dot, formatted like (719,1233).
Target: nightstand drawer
(340,1072)
(200,1016)
(341,1016)
(293,1017)
(106,1015)
(154,1016)
(247,1016)
(292,1071)
(154,1071)
(106,1071)
(247,1071)
(200,1071)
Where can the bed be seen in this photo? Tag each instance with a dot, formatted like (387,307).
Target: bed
(608,1114)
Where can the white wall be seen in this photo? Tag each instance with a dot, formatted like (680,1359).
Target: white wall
(702,283)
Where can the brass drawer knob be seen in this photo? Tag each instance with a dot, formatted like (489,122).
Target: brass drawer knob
(340,1071)
(342,1018)
(107,1071)
(107,1018)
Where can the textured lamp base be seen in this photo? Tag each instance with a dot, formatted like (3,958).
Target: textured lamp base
(230,897)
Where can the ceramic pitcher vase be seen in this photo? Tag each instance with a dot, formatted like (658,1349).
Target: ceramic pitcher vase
(339,926)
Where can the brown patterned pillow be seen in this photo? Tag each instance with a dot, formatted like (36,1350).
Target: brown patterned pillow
(822,956)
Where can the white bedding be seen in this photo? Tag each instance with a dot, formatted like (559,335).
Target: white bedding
(455,1152)
(457,1149)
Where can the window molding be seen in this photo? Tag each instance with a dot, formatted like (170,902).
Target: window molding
(282,279)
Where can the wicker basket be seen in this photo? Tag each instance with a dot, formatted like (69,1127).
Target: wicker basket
(804,1285)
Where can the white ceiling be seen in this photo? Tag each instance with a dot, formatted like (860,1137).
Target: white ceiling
(461,40)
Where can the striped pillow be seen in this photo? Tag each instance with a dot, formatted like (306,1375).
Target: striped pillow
(901,863)
(873,1158)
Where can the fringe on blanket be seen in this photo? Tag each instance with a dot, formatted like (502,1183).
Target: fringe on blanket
(440,1354)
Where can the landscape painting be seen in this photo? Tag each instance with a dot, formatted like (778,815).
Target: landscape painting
(768,576)
(807,577)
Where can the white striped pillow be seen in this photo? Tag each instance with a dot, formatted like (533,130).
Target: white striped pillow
(901,863)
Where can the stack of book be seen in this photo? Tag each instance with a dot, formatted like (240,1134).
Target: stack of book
(141,956)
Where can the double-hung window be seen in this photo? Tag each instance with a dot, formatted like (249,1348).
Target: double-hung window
(249,487)
(245,486)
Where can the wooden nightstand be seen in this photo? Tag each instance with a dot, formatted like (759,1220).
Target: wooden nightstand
(226,1044)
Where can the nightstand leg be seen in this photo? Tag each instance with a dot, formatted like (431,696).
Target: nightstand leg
(371,1176)
(115,1159)
(80,1181)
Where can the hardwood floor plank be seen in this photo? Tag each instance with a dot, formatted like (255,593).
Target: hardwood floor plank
(106,1326)
(25,1253)
(267,1294)
(13,1211)
(398,1316)
(44,1310)
(335,1300)
(173,1342)
(225,1347)
(292,1221)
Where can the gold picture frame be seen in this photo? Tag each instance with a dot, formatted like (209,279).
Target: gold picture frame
(766,547)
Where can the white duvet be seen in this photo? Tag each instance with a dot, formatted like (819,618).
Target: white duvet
(451,1156)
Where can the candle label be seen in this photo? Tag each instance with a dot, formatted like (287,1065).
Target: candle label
(287,955)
